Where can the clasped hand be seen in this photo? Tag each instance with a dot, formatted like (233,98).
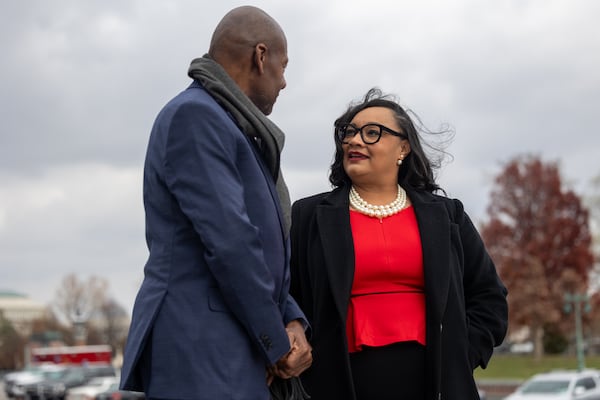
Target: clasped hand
(298,359)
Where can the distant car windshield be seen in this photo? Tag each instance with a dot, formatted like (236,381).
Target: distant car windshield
(546,386)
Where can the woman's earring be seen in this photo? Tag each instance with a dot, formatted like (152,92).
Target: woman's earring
(399,162)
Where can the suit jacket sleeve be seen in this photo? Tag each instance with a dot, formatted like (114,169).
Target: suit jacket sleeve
(202,174)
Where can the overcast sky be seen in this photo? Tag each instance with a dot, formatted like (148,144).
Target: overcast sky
(82,81)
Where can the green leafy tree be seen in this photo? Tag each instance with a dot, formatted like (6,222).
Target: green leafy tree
(12,346)
(554,340)
(538,234)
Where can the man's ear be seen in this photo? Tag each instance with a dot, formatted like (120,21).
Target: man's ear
(260,57)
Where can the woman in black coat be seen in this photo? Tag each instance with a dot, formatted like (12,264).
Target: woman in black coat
(403,299)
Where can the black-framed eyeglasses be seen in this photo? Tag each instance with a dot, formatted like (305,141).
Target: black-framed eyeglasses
(369,133)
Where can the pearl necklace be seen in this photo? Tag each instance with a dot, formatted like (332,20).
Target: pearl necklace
(378,211)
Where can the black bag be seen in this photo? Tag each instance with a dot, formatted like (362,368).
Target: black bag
(288,389)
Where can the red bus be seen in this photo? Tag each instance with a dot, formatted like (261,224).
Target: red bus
(96,354)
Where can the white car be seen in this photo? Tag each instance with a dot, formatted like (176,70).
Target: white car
(560,385)
(14,381)
(91,389)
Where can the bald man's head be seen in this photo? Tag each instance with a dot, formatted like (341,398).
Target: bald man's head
(240,30)
(252,48)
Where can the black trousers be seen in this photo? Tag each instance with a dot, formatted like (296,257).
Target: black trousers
(393,372)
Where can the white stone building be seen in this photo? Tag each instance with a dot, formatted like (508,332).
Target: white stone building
(20,310)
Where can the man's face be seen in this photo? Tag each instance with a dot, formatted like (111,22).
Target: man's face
(272,81)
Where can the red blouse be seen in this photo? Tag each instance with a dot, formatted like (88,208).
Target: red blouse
(387,302)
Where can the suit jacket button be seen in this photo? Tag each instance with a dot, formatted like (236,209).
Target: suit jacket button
(266,341)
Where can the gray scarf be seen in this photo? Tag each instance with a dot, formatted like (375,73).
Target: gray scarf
(250,120)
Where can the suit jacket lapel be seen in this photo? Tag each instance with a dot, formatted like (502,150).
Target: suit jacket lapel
(270,184)
(272,189)
(333,218)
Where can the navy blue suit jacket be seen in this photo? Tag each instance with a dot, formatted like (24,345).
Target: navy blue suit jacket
(211,312)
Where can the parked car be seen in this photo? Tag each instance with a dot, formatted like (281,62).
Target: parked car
(56,387)
(15,382)
(560,385)
(113,393)
(482,394)
(30,390)
(522,348)
(90,390)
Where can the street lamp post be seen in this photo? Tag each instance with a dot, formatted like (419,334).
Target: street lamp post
(573,301)
(79,317)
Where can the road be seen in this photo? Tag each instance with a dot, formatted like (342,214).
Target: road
(498,389)
(2,394)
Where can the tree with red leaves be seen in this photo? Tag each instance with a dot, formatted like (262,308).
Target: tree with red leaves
(538,235)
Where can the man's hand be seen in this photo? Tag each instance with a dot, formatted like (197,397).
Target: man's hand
(299,357)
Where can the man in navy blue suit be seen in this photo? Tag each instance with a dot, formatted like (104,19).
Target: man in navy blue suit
(213,318)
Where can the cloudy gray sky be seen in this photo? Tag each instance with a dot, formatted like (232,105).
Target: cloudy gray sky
(81,83)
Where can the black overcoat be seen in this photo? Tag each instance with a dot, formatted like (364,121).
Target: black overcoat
(466,308)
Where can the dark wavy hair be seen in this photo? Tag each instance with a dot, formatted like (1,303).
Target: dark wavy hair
(417,168)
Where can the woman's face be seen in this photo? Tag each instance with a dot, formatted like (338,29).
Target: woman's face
(377,163)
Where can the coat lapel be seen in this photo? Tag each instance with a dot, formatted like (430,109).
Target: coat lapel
(434,228)
(333,218)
